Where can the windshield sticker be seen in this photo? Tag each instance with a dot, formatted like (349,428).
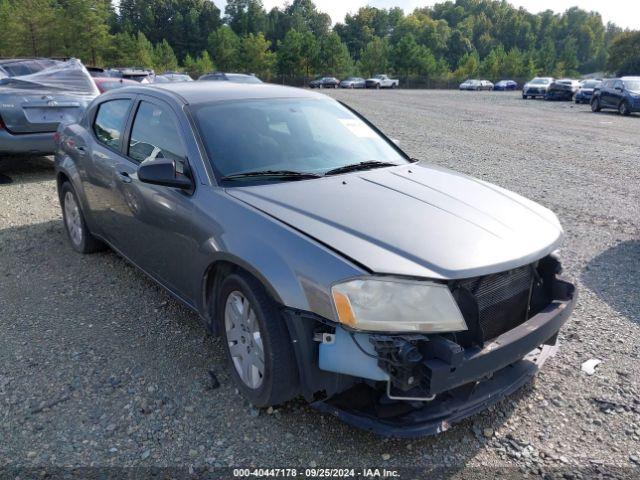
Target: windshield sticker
(358,128)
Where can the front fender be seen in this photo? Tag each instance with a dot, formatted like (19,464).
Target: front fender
(296,270)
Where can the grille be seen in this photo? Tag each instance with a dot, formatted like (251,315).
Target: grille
(502,299)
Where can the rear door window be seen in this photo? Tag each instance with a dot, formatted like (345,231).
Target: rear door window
(155,134)
(110,121)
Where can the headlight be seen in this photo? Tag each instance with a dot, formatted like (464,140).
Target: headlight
(396,305)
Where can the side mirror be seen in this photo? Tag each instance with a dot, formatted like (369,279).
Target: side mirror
(162,171)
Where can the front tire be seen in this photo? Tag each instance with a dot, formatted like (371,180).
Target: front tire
(257,343)
(595,105)
(75,225)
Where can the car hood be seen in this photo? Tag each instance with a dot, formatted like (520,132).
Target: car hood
(417,220)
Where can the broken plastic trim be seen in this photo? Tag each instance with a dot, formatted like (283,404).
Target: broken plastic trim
(444,411)
(482,379)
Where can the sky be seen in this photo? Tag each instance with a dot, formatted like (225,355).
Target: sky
(624,13)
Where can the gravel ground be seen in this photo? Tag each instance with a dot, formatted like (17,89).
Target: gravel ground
(100,367)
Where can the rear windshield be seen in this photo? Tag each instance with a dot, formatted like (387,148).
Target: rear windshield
(302,135)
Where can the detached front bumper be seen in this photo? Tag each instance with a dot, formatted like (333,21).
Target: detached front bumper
(463,382)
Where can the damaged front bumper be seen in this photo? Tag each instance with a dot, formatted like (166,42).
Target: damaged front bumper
(454,382)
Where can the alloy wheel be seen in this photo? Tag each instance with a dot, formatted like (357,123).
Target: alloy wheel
(72,218)
(244,339)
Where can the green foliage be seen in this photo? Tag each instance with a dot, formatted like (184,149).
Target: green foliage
(468,67)
(199,66)
(142,56)
(185,24)
(624,54)
(164,59)
(224,45)
(28,31)
(85,33)
(375,57)
(297,54)
(255,56)
(120,50)
(333,56)
(246,16)
(471,37)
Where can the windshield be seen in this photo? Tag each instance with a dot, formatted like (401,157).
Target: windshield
(540,81)
(298,135)
(633,85)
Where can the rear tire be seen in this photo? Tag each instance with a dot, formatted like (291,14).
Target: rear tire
(278,380)
(79,236)
(595,105)
(623,108)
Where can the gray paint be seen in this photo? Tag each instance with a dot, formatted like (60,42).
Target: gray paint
(298,238)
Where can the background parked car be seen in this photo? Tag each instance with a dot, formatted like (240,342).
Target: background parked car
(621,94)
(584,93)
(141,75)
(536,87)
(32,106)
(99,72)
(105,84)
(504,85)
(324,82)
(562,89)
(171,77)
(476,85)
(382,81)
(229,77)
(353,82)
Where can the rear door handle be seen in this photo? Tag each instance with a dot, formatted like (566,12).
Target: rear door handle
(124,177)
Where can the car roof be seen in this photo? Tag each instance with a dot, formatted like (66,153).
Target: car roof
(203,92)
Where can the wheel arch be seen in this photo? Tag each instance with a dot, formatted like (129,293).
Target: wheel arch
(66,171)
(213,277)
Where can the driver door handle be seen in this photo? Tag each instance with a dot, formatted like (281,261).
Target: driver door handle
(124,177)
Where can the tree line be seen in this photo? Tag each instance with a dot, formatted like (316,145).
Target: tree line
(448,41)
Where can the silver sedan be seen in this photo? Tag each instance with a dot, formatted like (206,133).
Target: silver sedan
(397,294)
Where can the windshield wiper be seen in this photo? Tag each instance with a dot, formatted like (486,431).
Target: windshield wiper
(360,166)
(285,174)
